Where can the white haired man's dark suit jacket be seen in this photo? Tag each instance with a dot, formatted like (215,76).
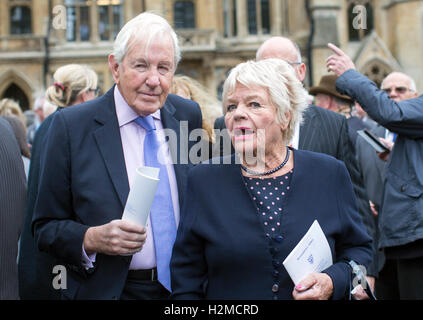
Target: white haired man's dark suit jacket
(83,183)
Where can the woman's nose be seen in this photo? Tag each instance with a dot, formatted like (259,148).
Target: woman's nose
(240,112)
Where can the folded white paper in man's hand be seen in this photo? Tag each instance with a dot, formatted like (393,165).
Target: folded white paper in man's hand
(311,255)
(141,195)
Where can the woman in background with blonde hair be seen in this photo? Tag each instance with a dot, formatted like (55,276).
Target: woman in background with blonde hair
(9,107)
(72,84)
(211,107)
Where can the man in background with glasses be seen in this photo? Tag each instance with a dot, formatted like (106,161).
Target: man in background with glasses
(399,86)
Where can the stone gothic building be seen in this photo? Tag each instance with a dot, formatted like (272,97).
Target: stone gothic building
(38,36)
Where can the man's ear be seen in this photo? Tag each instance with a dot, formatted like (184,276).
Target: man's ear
(114,68)
(302,69)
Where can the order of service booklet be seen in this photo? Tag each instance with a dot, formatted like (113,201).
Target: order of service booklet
(311,254)
(141,195)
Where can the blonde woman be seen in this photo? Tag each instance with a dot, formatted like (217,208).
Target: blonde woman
(72,84)
(9,107)
(211,109)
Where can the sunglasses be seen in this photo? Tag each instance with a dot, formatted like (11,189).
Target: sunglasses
(400,90)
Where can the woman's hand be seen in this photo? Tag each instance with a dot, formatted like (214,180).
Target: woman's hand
(316,286)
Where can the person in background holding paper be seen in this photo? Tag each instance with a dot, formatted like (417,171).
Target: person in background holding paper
(231,243)
(90,161)
(401,212)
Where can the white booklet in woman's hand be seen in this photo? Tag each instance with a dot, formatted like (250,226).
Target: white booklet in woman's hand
(311,255)
(141,195)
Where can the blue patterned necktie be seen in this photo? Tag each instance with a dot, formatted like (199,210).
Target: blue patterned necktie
(161,214)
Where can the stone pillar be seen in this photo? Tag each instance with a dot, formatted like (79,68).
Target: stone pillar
(95,36)
(4,18)
(325,14)
(58,34)
(241,18)
(276,17)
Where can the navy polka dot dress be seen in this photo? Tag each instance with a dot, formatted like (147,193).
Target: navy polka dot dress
(268,194)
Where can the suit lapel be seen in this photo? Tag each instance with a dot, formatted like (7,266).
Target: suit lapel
(180,166)
(107,136)
(308,130)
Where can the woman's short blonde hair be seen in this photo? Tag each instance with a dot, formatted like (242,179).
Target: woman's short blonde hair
(275,75)
(69,81)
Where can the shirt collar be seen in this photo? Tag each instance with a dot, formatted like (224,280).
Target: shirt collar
(124,112)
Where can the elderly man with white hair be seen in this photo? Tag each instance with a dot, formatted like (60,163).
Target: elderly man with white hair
(92,153)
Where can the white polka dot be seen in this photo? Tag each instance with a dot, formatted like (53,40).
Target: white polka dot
(271,218)
(271,193)
(268,207)
(258,192)
(283,193)
(278,224)
(254,198)
(264,213)
(251,188)
(265,223)
(280,209)
(273,229)
(264,188)
(287,187)
(277,198)
(265,197)
(273,203)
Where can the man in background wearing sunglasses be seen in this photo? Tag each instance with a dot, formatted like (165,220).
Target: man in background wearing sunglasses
(399,86)
(401,213)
